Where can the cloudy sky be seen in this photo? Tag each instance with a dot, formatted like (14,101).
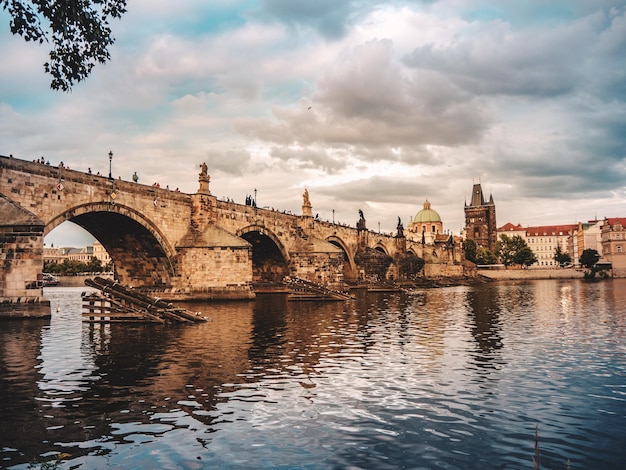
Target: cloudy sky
(371,105)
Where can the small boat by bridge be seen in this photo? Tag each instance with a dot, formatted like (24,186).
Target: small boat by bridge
(50,280)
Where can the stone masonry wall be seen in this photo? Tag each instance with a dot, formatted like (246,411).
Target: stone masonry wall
(216,269)
(21,260)
(322,268)
(55,194)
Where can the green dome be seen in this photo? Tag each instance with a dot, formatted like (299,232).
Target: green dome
(426,215)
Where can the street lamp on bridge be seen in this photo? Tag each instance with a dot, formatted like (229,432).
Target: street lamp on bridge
(110,162)
(255,206)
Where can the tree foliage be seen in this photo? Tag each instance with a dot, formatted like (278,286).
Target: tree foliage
(589,258)
(514,250)
(561,257)
(410,266)
(470,250)
(70,267)
(77,29)
(505,250)
(485,256)
(525,256)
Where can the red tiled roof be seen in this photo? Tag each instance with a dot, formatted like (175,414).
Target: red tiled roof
(614,220)
(509,227)
(554,230)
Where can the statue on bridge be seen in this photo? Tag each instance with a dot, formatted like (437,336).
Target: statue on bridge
(307,201)
(360,225)
(400,229)
(204,179)
(307,209)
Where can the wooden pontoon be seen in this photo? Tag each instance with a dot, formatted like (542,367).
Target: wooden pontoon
(301,289)
(117,303)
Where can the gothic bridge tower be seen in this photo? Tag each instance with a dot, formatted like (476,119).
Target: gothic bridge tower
(480,219)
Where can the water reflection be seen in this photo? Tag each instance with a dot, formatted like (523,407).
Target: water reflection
(22,428)
(484,311)
(453,378)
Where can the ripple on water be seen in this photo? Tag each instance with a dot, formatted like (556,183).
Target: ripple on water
(444,378)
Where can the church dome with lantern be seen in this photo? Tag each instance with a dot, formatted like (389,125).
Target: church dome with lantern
(426,224)
(427,214)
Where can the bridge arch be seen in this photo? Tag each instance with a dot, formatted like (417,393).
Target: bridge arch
(380,246)
(412,250)
(140,252)
(270,258)
(349,266)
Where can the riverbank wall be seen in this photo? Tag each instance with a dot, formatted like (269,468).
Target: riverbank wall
(531,274)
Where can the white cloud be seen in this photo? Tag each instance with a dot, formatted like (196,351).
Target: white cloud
(374,106)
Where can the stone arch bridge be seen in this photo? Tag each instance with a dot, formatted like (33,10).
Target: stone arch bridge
(192,246)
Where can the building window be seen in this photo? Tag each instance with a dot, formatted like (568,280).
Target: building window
(619,248)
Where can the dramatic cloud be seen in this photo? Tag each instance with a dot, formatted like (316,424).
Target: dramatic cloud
(369,104)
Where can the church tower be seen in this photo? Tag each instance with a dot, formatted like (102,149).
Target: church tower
(480,219)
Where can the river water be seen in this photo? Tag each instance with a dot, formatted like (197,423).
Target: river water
(449,378)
